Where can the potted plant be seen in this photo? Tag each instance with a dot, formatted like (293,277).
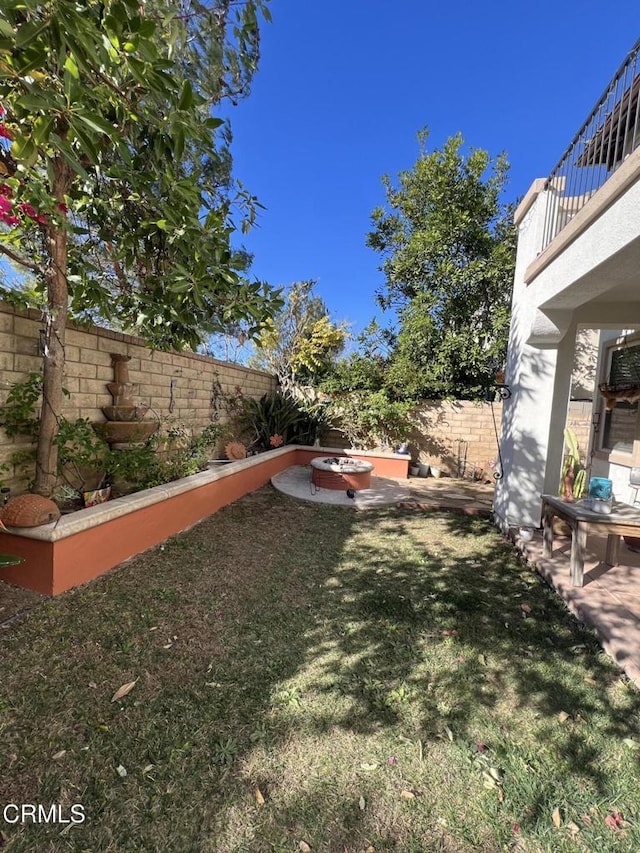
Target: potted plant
(572,480)
(574,475)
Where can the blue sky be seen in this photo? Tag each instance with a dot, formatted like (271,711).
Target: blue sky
(343,88)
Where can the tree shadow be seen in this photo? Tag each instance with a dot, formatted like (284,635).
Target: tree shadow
(272,623)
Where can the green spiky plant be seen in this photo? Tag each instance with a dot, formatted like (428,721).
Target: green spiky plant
(574,475)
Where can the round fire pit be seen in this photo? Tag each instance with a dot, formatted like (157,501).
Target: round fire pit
(340,473)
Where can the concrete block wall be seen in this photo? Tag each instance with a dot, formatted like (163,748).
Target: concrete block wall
(579,420)
(460,437)
(180,387)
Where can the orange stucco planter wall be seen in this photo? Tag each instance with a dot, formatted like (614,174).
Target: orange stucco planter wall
(54,565)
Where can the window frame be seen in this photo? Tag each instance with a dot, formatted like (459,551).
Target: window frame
(627,458)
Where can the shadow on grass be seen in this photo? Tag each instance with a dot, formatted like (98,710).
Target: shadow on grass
(265,631)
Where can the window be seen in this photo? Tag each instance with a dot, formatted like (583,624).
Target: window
(622,391)
(619,429)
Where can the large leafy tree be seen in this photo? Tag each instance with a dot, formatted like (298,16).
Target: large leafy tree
(115,194)
(301,342)
(448,247)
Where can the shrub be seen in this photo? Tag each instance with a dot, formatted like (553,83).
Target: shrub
(280,415)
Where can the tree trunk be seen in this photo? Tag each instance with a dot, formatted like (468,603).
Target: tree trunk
(54,355)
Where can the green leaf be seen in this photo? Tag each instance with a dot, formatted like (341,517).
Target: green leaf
(42,127)
(186,96)
(6,29)
(72,68)
(95,122)
(33,103)
(69,156)
(29,32)
(24,150)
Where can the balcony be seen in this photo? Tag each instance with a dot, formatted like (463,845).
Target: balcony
(608,136)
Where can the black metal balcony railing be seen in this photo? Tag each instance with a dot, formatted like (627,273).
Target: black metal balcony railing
(607,137)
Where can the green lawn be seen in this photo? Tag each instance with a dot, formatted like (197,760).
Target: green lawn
(308,677)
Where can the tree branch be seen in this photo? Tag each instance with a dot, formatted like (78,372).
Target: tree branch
(18,259)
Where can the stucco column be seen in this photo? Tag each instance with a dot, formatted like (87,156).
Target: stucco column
(539,366)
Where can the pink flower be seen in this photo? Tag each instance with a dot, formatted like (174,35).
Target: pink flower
(4,132)
(28,209)
(2,110)
(6,191)
(62,207)
(276,441)
(5,204)
(9,219)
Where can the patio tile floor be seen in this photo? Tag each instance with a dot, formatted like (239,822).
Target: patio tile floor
(609,601)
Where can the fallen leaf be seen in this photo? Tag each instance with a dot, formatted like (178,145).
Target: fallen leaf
(93,685)
(573,827)
(147,769)
(168,646)
(449,733)
(362,804)
(563,716)
(492,778)
(450,632)
(516,828)
(587,819)
(368,766)
(59,755)
(482,659)
(123,691)
(481,747)
(154,628)
(259,797)
(631,743)
(590,680)
(614,820)
(392,760)
(303,847)
(121,771)
(371,849)
(407,795)
(526,608)
(556,818)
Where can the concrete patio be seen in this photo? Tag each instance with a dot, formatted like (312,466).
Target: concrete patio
(609,601)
